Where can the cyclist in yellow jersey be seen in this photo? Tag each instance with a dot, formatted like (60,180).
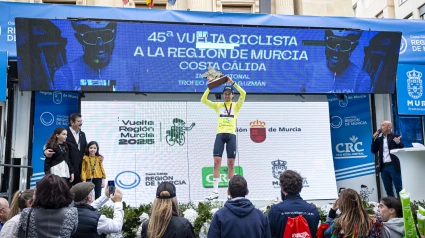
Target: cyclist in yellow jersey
(227,112)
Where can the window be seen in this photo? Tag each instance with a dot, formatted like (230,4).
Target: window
(380,15)
(422,12)
(245,9)
(71,2)
(410,16)
(158,6)
(355,9)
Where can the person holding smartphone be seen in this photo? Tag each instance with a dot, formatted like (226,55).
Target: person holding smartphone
(90,222)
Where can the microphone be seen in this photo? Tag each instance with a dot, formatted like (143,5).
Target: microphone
(379,133)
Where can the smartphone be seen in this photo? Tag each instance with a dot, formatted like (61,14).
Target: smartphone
(111,187)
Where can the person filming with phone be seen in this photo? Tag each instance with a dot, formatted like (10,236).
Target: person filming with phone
(90,222)
(389,165)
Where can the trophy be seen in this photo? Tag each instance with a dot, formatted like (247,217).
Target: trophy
(215,78)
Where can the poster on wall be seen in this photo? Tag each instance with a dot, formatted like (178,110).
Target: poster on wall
(51,110)
(351,133)
(410,89)
(146,143)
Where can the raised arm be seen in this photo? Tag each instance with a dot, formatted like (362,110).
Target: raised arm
(205,100)
(241,97)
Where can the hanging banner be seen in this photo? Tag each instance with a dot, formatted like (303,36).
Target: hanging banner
(411,49)
(410,90)
(351,135)
(51,110)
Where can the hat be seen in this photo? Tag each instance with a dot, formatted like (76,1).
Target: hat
(228,88)
(166,186)
(81,191)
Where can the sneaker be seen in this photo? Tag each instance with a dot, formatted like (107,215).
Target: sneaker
(212,196)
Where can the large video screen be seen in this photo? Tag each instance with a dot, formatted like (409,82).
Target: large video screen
(146,143)
(84,55)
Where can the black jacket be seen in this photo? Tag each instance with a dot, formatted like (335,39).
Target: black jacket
(378,146)
(292,206)
(88,218)
(75,154)
(179,227)
(239,218)
(56,159)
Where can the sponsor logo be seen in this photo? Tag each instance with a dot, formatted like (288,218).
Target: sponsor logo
(343,102)
(365,192)
(278,167)
(414,84)
(155,179)
(47,118)
(176,134)
(208,176)
(350,150)
(127,180)
(57,97)
(136,132)
(258,131)
(336,122)
(403,45)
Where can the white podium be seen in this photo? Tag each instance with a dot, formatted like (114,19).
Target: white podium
(412,162)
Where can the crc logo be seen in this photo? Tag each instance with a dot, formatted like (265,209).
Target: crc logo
(258,131)
(354,146)
(279,166)
(127,180)
(414,84)
(208,176)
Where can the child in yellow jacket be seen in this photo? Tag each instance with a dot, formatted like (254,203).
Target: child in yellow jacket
(92,168)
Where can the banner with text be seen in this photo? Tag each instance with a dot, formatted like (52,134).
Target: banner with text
(91,56)
(410,90)
(51,110)
(146,143)
(411,49)
(351,133)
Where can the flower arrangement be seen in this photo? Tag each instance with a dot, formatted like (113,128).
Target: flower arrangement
(201,214)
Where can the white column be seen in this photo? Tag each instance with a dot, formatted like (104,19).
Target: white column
(285,7)
(198,5)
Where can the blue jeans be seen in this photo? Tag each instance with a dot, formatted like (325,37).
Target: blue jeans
(390,175)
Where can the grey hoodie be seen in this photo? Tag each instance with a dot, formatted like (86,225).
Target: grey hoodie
(393,228)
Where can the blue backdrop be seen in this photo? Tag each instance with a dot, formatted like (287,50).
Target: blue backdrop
(351,135)
(51,110)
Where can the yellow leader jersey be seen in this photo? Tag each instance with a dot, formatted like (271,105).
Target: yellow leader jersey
(227,111)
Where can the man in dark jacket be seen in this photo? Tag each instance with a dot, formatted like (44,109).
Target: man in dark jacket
(389,164)
(293,205)
(90,222)
(76,141)
(238,217)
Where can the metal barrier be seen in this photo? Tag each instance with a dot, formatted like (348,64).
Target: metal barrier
(13,178)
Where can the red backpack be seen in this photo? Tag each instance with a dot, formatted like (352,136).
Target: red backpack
(297,228)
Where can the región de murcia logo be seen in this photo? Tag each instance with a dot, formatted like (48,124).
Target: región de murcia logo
(258,131)
(414,84)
